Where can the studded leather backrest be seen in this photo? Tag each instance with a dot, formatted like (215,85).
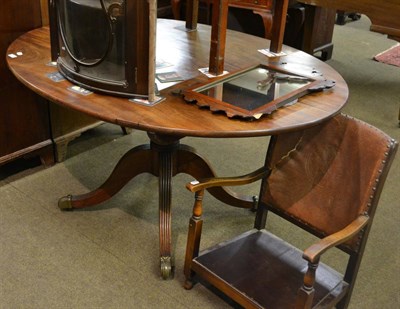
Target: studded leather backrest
(325,176)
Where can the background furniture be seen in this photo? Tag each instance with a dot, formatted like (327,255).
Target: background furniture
(307,28)
(342,15)
(310,22)
(24,119)
(384,15)
(317,31)
(327,180)
(172,119)
(253,17)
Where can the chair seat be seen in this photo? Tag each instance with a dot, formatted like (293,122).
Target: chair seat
(262,266)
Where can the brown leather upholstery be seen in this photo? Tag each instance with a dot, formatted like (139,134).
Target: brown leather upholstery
(329,174)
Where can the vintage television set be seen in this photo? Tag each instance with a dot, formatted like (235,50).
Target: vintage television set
(106,45)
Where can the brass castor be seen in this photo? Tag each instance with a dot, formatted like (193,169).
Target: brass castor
(166,267)
(65,203)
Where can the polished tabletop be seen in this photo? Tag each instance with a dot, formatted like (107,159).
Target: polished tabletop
(186,52)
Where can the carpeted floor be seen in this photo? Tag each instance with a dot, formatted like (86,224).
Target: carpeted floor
(106,256)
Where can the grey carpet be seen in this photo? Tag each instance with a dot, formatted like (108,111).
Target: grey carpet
(106,256)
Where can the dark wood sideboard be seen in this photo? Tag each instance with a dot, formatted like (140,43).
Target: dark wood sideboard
(24,118)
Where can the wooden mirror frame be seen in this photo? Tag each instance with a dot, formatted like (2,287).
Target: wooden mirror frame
(193,95)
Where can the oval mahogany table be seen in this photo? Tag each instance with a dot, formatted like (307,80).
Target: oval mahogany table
(172,119)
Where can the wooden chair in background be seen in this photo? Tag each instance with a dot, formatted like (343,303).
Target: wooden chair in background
(327,180)
(275,17)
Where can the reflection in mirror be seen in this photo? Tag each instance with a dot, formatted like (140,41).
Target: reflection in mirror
(254,88)
(92,34)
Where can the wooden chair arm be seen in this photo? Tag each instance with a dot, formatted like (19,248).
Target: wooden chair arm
(313,253)
(197,185)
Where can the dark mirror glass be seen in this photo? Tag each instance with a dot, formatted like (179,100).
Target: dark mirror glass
(93,38)
(85,29)
(254,88)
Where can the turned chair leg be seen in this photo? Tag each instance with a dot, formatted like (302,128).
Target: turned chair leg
(306,292)
(193,240)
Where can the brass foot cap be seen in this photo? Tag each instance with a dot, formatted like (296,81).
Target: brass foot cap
(65,203)
(166,267)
